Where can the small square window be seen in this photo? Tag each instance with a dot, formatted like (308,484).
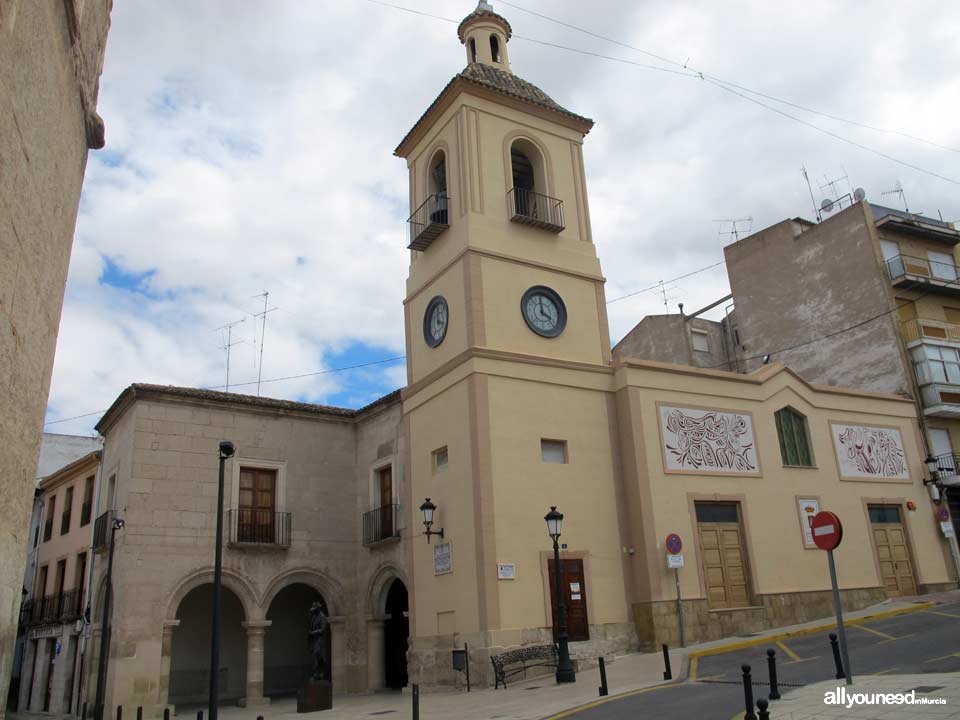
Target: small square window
(700,343)
(553,451)
(440,459)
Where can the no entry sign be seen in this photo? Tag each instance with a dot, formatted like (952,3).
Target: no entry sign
(827,530)
(674,544)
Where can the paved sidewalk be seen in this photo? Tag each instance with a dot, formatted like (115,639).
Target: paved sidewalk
(807,703)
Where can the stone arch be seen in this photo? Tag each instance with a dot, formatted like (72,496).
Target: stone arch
(239,585)
(379,586)
(331,591)
(530,138)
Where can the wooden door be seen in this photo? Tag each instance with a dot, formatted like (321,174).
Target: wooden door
(257,505)
(574,588)
(893,555)
(722,555)
(386,501)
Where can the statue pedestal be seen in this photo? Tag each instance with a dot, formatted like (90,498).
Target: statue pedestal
(315,695)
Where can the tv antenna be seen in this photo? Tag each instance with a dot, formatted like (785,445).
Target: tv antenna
(229,343)
(263,332)
(816,210)
(898,190)
(832,184)
(664,289)
(736,227)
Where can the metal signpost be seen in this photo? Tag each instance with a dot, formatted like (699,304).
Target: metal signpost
(827,534)
(675,562)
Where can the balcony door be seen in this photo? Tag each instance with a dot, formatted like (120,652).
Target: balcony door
(385,482)
(942,450)
(257,507)
(891,257)
(942,266)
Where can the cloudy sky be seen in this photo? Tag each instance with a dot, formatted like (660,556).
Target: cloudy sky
(249,149)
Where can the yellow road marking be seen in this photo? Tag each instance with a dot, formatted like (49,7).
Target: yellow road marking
(740,645)
(711,677)
(940,612)
(802,660)
(789,653)
(876,632)
(943,657)
(694,665)
(604,701)
(884,672)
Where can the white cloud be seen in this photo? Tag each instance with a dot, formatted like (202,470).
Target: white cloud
(250,148)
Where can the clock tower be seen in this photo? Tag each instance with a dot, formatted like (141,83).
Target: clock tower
(509,408)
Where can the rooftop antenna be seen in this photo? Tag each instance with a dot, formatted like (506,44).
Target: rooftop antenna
(898,190)
(832,184)
(816,210)
(735,227)
(663,290)
(263,333)
(229,344)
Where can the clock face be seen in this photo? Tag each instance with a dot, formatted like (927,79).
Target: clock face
(543,311)
(435,321)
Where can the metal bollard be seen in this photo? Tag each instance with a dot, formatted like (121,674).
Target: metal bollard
(772,668)
(119,712)
(199,714)
(259,717)
(83,715)
(667,674)
(416,702)
(139,712)
(166,714)
(762,706)
(835,646)
(603,677)
(748,693)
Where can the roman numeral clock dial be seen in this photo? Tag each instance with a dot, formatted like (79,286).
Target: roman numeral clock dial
(543,311)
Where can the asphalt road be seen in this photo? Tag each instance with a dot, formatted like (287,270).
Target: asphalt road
(920,642)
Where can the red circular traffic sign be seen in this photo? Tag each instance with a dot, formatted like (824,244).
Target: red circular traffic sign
(674,544)
(827,530)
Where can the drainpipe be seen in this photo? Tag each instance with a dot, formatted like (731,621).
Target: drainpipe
(88,585)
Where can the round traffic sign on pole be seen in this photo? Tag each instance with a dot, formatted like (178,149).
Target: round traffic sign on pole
(674,544)
(827,530)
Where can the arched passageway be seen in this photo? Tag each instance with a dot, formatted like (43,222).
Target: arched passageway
(395,633)
(287,660)
(190,650)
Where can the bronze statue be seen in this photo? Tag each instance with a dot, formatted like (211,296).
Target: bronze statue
(317,641)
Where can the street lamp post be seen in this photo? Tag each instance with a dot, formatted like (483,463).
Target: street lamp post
(117,524)
(226,451)
(565,671)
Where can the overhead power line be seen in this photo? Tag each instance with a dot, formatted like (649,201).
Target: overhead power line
(658,284)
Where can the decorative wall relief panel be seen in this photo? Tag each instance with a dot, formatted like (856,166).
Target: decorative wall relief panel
(708,441)
(866,452)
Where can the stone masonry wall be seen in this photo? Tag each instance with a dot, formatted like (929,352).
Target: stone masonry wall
(51,55)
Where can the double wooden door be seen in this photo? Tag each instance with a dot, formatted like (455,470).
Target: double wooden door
(723,555)
(574,589)
(893,554)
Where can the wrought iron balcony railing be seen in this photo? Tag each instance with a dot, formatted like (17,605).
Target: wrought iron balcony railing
(920,328)
(101,531)
(428,221)
(51,609)
(85,511)
(948,465)
(910,271)
(381,524)
(258,527)
(530,208)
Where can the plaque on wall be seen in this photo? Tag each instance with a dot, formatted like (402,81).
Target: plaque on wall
(708,441)
(866,452)
(807,507)
(442,559)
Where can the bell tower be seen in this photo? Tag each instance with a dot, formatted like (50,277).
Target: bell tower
(509,407)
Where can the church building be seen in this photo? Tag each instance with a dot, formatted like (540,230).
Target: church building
(513,405)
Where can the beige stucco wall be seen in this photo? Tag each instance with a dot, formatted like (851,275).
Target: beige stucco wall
(778,561)
(48,79)
(164,453)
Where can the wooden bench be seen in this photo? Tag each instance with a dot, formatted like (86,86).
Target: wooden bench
(513,662)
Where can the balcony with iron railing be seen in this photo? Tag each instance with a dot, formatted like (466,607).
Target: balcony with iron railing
(531,208)
(52,609)
(948,465)
(101,531)
(381,524)
(907,271)
(428,221)
(258,528)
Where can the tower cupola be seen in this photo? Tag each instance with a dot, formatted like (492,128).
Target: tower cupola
(485,34)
